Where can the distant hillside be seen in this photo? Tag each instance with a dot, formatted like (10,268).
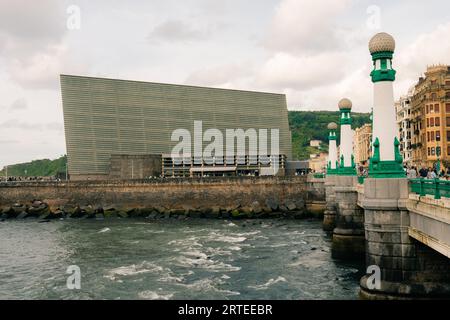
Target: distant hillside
(39,168)
(310,125)
(305,126)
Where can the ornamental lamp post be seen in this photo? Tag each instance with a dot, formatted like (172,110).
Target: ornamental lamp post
(386,161)
(332,163)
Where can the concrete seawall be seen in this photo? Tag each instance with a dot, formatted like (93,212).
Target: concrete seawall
(248,195)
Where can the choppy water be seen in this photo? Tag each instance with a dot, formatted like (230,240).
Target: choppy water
(169,259)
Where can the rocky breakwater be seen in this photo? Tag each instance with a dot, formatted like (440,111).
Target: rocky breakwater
(271,208)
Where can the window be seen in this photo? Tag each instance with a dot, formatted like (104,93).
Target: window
(427,109)
(429,153)
(433,96)
(448,150)
(428,122)
(448,121)
(432,135)
(447,95)
(431,108)
(438,136)
(431,122)
(428,136)
(448,135)
(437,121)
(433,151)
(447,107)
(436,108)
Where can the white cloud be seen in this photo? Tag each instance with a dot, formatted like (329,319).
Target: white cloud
(179,31)
(287,71)
(301,26)
(19,104)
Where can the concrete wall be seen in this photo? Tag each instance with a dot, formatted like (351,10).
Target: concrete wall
(225,193)
(135,166)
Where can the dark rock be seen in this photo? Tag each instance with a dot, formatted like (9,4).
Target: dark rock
(110,214)
(195,214)
(22,215)
(76,213)
(44,221)
(122,214)
(36,203)
(255,207)
(57,214)
(290,205)
(272,204)
(313,248)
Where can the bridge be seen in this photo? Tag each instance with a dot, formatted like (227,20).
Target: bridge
(400,226)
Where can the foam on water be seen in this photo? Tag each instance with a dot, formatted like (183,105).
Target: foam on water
(132,270)
(153,295)
(269,283)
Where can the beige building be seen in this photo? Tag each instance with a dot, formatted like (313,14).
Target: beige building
(318,162)
(362,144)
(430,117)
(315,143)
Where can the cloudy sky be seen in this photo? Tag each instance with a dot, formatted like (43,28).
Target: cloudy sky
(314,51)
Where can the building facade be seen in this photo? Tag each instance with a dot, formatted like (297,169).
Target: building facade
(110,121)
(362,144)
(406,126)
(430,109)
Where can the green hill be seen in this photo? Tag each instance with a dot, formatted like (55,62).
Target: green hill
(39,168)
(305,126)
(311,125)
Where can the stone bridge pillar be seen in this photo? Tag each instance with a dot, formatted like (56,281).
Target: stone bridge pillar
(348,236)
(329,215)
(408,269)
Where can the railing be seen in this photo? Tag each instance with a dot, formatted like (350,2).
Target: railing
(319,175)
(435,187)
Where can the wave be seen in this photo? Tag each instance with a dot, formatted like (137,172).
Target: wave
(152,295)
(124,271)
(268,283)
(104,230)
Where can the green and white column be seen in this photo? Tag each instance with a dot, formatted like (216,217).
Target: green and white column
(346,160)
(386,161)
(332,164)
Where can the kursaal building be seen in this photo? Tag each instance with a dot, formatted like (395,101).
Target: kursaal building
(121,129)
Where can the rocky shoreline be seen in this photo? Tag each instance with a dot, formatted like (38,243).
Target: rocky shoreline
(39,209)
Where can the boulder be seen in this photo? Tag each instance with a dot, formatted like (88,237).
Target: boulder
(37,203)
(122,214)
(76,213)
(57,214)
(19,208)
(256,207)
(110,214)
(9,212)
(272,204)
(290,205)
(38,210)
(22,215)
(194,213)
(212,213)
